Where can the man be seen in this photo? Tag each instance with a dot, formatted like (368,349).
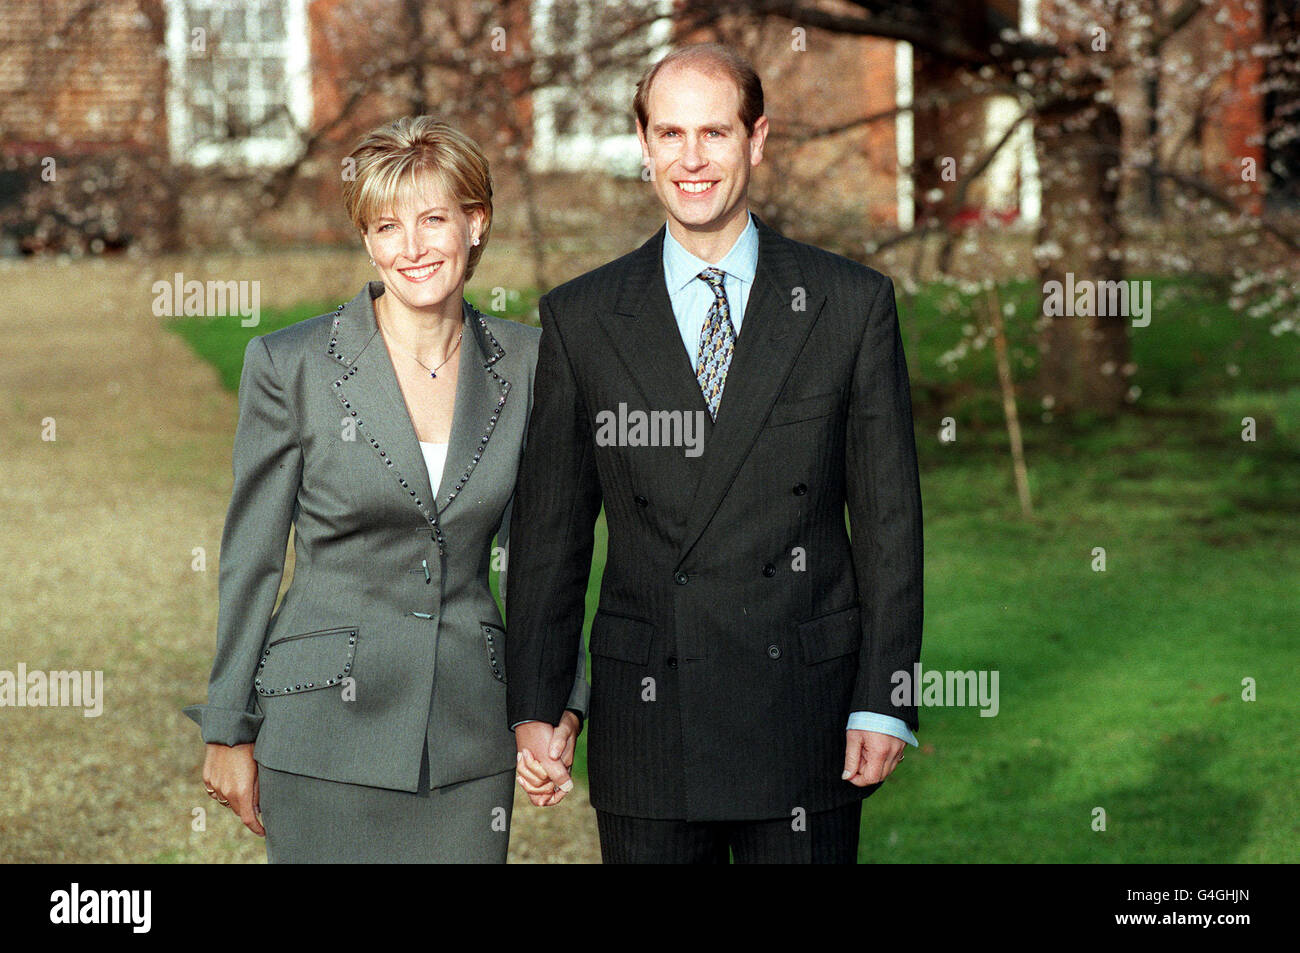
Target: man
(743,648)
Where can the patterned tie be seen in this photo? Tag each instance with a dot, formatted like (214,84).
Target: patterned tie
(717,340)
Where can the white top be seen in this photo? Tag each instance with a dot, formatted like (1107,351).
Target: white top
(435,459)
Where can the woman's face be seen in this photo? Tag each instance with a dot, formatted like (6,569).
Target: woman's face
(421,246)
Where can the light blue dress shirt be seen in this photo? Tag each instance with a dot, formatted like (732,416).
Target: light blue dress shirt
(691,298)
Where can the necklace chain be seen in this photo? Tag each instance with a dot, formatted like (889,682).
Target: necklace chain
(433,371)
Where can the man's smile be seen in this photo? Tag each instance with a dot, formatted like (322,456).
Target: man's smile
(695,187)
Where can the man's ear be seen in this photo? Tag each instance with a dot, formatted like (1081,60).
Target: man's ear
(645,145)
(757,140)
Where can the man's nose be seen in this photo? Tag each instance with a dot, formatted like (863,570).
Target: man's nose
(692,158)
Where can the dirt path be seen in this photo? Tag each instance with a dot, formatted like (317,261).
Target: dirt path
(102,525)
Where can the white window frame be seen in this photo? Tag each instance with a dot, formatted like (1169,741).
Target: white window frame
(586,150)
(261,150)
(904,137)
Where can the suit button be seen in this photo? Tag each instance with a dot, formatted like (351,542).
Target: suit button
(769,570)
(800,489)
(641,501)
(672,661)
(680,578)
(773,651)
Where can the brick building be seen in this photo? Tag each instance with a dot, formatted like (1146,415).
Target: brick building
(198,122)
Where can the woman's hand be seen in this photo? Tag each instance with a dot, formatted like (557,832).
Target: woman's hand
(230,777)
(533,775)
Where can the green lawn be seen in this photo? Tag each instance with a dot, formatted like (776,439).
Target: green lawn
(1119,690)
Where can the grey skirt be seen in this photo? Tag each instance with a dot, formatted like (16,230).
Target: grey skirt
(314,821)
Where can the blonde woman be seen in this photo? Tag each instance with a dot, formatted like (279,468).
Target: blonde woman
(364,720)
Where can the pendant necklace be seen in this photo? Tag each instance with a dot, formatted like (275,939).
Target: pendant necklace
(433,371)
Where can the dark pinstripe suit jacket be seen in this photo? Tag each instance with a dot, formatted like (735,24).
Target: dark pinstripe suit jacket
(739,623)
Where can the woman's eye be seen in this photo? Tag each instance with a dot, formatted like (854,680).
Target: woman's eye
(385,227)
(434,218)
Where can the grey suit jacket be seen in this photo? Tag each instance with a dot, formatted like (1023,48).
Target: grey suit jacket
(388,640)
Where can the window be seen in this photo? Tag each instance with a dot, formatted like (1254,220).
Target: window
(585,122)
(239,92)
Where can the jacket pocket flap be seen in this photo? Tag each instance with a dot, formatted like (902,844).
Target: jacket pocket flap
(306,662)
(495,638)
(804,408)
(831,635)
(621,637)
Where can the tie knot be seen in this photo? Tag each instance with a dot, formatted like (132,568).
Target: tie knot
(713,277)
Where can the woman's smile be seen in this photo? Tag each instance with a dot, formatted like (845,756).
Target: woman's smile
(419,273)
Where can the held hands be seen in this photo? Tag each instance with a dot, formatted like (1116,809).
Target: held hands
(545,754)
(870,757)
(230,777)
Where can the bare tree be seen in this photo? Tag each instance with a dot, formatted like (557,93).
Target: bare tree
(1065,75)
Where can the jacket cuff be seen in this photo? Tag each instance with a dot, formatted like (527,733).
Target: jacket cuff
(579,699)
(224,726)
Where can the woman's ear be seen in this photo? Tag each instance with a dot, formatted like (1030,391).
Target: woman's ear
(477,218)
(365,238)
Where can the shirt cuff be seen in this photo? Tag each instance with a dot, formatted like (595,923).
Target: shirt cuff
(882,724)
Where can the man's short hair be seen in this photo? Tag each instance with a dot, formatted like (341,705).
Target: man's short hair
(710,58)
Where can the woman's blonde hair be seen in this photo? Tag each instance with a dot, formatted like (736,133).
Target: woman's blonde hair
(392,157)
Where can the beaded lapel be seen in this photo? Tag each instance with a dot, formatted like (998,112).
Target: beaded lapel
(369,392)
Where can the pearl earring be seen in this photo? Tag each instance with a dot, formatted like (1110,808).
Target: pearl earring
(475,240)
(372,261)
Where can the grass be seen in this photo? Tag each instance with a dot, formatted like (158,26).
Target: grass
(1121,691)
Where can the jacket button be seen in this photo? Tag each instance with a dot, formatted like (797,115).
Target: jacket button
(672,661)
(773,651)
(680,578)
(769,570)
(800,489)
(641,501)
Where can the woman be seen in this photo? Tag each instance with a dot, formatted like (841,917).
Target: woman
(365,718)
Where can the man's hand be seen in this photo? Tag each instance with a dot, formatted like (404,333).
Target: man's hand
(870,757)
(545,754)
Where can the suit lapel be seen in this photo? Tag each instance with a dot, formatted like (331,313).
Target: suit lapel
(644,332)
(771,336)
(370,394)
(481,393)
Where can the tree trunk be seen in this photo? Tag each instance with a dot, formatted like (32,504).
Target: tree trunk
(1083,358)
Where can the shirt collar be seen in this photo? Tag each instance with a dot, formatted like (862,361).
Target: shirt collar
(681,267)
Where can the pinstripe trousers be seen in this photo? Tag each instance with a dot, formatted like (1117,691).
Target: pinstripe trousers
(822,837)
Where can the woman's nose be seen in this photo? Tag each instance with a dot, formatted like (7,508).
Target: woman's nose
(414,246)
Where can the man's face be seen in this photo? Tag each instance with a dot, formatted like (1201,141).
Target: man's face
(697,149)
